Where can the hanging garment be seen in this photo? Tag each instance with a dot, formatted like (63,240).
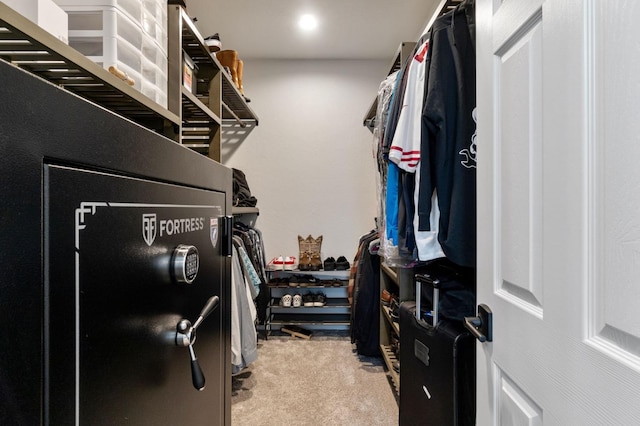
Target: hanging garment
(405,146)
(387,215)
(365,323)
(254,247)
(404,158)
(448,137)
(247,268)
(244,340)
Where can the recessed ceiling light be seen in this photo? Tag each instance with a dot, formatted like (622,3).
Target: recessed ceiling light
(308,22)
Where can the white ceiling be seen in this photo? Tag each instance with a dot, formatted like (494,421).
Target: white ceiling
(347,29)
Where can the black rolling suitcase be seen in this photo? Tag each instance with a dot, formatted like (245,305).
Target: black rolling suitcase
(437,366)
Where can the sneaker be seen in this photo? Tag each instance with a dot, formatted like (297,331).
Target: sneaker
(329,264)
(286,301)
(213,42)
(319,299)
(297,300)
(290,263)
(276,264)
(308,299)
(342,264)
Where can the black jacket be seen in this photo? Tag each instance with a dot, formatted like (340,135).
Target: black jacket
(448,135)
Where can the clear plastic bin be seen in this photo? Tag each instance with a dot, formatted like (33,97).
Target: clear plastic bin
(154,21)
(132,8)
(148,15)
(109,37)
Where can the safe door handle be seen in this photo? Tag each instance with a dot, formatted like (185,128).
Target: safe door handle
(481,326)
(186,336)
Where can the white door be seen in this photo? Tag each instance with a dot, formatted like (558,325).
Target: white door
(559,211)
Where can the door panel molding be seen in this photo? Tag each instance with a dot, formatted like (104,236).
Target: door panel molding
(512,20)
(515,406)
(518,173)
(613,197)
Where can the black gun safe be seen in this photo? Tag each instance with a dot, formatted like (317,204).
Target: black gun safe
(113,241)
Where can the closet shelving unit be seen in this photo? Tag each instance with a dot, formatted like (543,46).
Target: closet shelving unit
(194,120)
(216,104)
(26,45)
(400,282)
(334,315)
(389,327)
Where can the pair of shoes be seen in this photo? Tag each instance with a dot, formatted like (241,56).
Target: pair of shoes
(386,297)
(288,300)
(279,282)
(302,281)
(342,264)
(310,249)
(329,264)
(280,263)
(332,283)
(314,299)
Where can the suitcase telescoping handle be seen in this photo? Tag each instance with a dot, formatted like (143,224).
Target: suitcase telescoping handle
(433,282)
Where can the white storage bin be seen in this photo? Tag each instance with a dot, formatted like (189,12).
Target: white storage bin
(152,53)
(154,21)
(105,22)
(133,8)
(45,13)
(149,15)
(154,75)
(109,51)
(154,93)
(109,37)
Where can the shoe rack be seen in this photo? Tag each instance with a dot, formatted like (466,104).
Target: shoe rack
(334,315)
(214,103)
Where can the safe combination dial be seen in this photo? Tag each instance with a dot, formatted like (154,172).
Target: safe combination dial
(185,263)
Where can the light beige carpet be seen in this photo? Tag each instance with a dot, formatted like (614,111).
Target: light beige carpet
(321,381)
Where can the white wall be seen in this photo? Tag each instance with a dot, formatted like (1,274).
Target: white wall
(309,161)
